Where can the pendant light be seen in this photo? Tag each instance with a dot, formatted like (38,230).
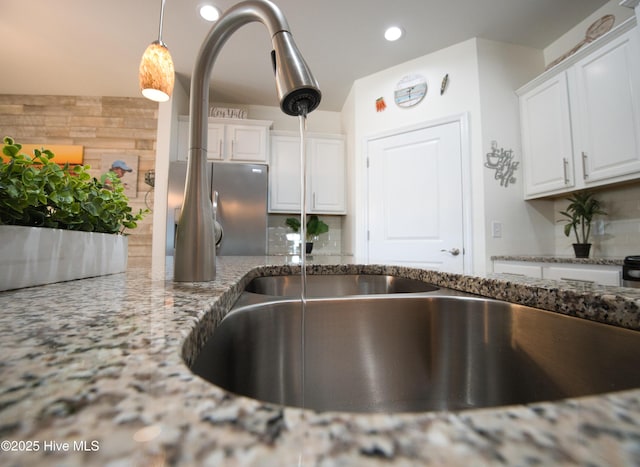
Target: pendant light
(156,71)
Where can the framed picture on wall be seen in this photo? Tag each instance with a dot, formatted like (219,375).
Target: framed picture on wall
(123,167)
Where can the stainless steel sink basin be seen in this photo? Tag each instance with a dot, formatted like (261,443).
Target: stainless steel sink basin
(337,285)
(414,353)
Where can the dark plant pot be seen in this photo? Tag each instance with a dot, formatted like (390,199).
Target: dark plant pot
(582,249)
(309,247)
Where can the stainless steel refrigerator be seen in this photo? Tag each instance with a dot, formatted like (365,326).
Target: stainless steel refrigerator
(239,193)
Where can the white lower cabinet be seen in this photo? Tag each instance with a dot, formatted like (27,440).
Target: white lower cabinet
(517,269)
(589,273)
(604,275)
(326,174)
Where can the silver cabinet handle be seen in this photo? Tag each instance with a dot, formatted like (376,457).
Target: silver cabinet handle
(220,148)
(232,148)
(584,165)
(453,251)
(565,163)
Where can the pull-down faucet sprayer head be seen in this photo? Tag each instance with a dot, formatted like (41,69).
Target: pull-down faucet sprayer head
(297,89)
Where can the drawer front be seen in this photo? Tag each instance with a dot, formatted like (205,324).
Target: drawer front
(587,274)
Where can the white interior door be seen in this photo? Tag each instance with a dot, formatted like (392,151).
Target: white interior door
(415,212)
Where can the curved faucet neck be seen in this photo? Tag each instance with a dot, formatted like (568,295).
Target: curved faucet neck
(263,11)
(195,252)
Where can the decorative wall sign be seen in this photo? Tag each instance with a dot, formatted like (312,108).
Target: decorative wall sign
(597,29)
(71,153)
(410,90)
(225,112)
(445,83)
(380,104)
(502,162)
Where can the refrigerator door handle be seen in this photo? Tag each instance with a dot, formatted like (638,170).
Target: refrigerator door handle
(215,204)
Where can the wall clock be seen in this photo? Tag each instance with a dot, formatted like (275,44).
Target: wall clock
(410,90)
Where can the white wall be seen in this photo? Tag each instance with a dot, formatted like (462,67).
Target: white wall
(483,77)
(615,235)
(348,125)
(318,121)
(363,122)
(527,226)
(576,34)
(166,141)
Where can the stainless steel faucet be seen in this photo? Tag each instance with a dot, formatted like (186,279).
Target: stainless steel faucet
(299,94)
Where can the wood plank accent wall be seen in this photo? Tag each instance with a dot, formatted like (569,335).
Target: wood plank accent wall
(103,125)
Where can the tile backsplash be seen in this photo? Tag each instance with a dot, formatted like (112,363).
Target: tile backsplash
(615,235)
(280,240)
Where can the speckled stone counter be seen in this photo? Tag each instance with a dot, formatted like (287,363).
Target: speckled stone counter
(92,373)
(561,259)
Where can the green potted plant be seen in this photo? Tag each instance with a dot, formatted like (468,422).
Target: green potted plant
(60,219)
(315,226)
(579,213)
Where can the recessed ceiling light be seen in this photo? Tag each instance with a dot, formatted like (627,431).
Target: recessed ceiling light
(209,12)
(393,33)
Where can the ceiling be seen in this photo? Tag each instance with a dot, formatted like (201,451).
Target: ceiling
(91,47)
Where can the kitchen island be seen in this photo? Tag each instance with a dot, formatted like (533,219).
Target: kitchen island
(93,373)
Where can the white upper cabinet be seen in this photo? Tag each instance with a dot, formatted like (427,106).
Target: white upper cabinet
(229,140)
(607,99)
(546,137)
(326,174)
(284,174)
(247,143)
(580,121)
(215,141)
(327,167)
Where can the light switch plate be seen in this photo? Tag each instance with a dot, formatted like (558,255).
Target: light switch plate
(496,229)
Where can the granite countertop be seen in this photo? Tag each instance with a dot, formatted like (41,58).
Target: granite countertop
(560,259)
(98,364)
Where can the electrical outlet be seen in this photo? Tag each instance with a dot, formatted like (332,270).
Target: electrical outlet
(496,229)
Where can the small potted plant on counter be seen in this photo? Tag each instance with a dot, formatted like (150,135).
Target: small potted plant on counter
(58,222)
(314,227)
(579,213)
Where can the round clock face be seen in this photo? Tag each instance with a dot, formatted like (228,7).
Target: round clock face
(410,90)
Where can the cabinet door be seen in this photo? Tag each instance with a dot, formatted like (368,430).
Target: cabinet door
(247,143)
(215,141)
(215,136)
(183,139)
(327,176)
(546,137)
(284,174)
(608,117)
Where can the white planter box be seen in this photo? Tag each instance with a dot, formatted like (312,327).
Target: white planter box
(35,256)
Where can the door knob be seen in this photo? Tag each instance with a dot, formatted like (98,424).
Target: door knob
(453,251)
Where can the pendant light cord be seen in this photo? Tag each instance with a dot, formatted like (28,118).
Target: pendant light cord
(161,21)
